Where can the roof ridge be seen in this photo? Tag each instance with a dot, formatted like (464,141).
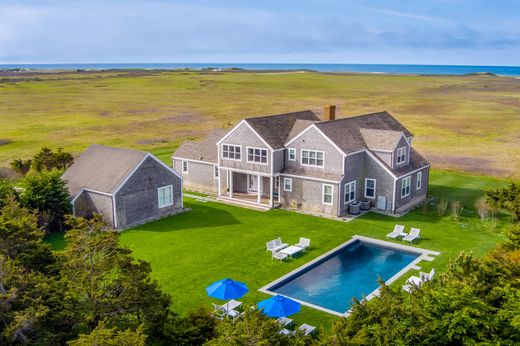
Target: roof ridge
(355,117)
(277,115)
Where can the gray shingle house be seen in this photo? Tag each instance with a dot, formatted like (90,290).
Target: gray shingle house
(127,187)
(300,161)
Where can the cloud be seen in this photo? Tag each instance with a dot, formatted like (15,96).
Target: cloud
(159,30)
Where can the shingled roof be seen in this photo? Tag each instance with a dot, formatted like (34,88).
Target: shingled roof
(346,133)
(101,168)
(381,139)
(205,150)
(275,129)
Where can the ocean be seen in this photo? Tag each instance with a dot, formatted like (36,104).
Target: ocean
(365,68)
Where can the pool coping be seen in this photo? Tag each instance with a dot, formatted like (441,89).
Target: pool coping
(423,254)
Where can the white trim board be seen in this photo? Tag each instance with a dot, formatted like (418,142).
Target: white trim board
(192,160)
(304,177)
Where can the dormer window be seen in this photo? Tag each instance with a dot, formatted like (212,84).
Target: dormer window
(401,155)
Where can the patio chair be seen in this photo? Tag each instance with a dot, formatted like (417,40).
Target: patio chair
(304,243)
(234,314)
(414,234)
(397,232)
(427,276)
(279,245)
(279,256)
(219,312)
(284,321)
(306,329)
(408,288)
(285,331)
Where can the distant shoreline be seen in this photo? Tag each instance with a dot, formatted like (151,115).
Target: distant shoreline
(509,71)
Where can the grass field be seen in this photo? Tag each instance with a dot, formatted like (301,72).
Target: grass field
(469,123)
(212,241)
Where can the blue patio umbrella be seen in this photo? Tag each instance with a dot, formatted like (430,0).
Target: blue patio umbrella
(279,306)
(227,289)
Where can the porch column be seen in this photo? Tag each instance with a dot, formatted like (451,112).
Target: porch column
(230,184)
(279,188)
(219,185)
(259,197)
(271,192)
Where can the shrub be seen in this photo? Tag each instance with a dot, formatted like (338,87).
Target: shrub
(441,207)
(456,209)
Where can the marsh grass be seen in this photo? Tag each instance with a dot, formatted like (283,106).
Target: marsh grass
(457,122)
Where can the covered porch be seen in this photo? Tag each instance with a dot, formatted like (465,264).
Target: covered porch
(252,189)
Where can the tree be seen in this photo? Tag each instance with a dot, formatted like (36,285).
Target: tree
(47,193)
(46,159)
(105,284)
(6,190)
(21,166)
(506,198)
(21,239)
(103,336)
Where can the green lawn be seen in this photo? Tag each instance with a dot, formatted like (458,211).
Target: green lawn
(212,241)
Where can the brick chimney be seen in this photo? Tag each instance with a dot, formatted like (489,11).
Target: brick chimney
(329,113)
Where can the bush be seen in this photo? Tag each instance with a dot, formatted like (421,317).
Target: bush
(441,207)
(456,209)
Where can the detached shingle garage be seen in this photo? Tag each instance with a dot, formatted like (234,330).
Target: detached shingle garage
(127,187)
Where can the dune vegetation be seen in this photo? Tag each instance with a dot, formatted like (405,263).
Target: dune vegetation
(469,123)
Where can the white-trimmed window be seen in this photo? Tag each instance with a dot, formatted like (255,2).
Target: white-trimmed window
(313,158)
(370,188)
(185,167)
(350,192)
(401,155)
(327,194)
(165,196)
(405,186)
(419,180)
(215,172)
(257,155)
(287,184)
(291,154)
(231,152)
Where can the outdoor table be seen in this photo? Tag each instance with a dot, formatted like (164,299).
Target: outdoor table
(232,305)
(291,250)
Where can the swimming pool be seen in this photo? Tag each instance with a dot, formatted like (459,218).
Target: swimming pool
(351,270)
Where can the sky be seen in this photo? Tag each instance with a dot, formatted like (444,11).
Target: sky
(462,32)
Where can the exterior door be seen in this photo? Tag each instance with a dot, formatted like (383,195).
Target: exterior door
(252,183)
(381,202)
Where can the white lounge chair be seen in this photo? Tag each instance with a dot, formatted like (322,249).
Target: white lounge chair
(304,243)
(276,245)
(427,276)
(397,232)
(407,288)
(307,329)
(228,309)
(280,256)
(219,312)
(414,234)
(284,321)
(285,331)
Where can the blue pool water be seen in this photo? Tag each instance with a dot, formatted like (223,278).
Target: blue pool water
(350,272)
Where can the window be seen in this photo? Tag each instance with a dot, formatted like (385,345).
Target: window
(292,154)
(419,180)
(184,166)
(257,155)
(327,194)
(287,184)
(370,188)
(165,195)
(312,158)
(405,186)
(350,192)
(215,172)
(231,152)
(401,155)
